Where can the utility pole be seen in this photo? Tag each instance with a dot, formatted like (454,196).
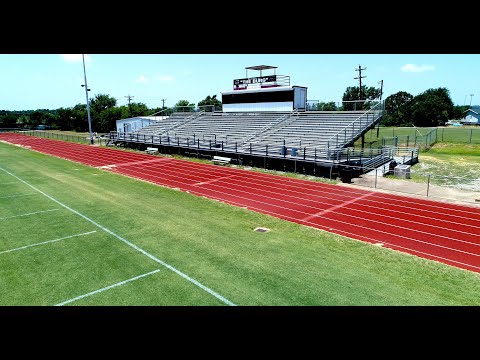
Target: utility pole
(381,89)
(88,102)
(360,77)
(163,107)
(129,97)
(471,96)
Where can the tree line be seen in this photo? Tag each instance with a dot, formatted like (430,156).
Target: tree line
(433,107)
(104,113)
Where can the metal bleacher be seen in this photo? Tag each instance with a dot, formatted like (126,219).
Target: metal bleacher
(316,134)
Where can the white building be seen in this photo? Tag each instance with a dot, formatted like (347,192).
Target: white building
(472,116)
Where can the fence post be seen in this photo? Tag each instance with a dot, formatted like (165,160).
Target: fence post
(428,183)
(408,139)
(471,132)
(443,130)
(376,170)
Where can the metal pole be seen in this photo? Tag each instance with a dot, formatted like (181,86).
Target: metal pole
(428,183)
(88,103)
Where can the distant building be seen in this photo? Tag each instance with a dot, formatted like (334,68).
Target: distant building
(472,116)
(136,123)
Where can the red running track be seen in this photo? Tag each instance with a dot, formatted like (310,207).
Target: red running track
(447,233)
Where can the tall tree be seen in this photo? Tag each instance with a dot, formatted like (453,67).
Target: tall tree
(184,106)
(102,102)
(398,109)
(433,107)
(135,109)
(108,118)
(210,103)
(352,93)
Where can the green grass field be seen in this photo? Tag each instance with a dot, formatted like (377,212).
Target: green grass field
(456,165)
(103,249)
(451,134)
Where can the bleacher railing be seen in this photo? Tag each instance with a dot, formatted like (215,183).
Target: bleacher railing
(211,142)
(350,132)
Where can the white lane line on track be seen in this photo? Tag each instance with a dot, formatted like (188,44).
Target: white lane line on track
(185,276)
(333,208)
(214,180)
(16,195)
(28,214)
(47,242)
(140,162)
(107,288)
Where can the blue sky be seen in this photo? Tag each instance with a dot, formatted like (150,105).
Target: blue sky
(51,81)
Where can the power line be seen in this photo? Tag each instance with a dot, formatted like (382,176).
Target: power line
(360,77)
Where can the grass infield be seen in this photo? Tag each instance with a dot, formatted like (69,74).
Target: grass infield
(210,242)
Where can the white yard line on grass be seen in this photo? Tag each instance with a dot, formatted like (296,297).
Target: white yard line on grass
(28,214)
(106,288)
(47,242)
(9,183)
(17,195)
(185,276)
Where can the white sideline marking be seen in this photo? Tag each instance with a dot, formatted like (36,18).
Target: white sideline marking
(106,288)
(185,276)
(33,213)
(11,196)
(49,241)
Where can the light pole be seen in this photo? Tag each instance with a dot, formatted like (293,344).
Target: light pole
(88,103)
(471,96)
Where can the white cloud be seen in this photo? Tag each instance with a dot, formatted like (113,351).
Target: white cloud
(142,79)
(417,68)
(165,78)
(75,57)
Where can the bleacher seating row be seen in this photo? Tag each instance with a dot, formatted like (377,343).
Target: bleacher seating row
(318,129)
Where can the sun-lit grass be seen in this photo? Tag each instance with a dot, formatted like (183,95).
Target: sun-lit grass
(415,135)
(456,165)
(212,242)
